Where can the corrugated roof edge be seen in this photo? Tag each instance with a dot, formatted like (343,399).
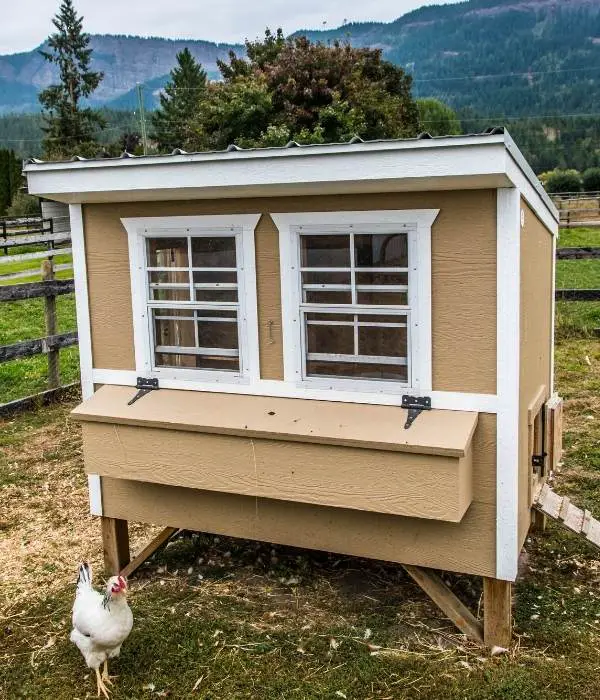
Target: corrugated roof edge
(492,131)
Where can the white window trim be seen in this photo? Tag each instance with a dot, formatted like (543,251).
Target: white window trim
(244,224)
(417,221)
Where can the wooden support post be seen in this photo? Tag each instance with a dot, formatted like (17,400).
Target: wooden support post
(115,545)
(448,603)
(160,539)
(538,521)
(50,317)
(497,612)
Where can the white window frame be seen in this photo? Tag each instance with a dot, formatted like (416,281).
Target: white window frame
(241,226)
(417,224)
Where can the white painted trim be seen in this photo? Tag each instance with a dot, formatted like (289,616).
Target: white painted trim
(95,492)
(540,203)
(508,360)
(553,318)
(417,223)
(243,226)
(447,400)
(82,305)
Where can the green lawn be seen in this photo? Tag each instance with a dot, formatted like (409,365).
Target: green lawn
(579,237)
(23,320)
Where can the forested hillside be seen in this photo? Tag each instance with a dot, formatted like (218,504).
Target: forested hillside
(533,65)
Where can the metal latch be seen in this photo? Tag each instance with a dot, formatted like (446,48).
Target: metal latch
(414,405)
(144,386)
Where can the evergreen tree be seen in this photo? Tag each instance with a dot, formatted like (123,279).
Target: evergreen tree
(179,103)
(10,178)
(70,128)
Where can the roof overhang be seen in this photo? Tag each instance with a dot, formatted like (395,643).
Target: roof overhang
(450,163)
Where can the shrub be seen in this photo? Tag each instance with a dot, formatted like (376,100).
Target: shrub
(591,180)
(561,181)
(24,205)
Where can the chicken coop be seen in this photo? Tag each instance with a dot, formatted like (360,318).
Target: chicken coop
(345,347)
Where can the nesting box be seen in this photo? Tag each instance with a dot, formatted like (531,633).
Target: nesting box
(344,347)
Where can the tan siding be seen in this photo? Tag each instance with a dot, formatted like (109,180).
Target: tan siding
(536,327)
(468,547)
(463,268)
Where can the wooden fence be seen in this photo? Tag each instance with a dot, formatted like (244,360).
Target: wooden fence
(38,233)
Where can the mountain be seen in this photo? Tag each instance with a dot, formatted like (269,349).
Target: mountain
(497,58)
(124,60)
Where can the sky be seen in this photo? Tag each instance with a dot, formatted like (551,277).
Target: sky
(26,23)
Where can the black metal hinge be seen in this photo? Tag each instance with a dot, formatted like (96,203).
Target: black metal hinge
(539,460)
(144,386)
(414,405)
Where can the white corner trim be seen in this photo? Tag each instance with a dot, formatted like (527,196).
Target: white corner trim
(445,400)
(508,359)
(553,318)
(541,205)
(420,222)
(137,228)
(82,305)
(95,493)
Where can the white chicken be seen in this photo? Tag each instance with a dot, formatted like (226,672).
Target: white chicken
(101,623)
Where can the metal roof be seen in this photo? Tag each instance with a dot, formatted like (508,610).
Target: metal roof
(232,148)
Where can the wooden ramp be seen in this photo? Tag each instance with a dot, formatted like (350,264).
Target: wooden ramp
(570,516)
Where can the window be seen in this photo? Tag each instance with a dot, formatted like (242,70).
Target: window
(194,297)
(356,299)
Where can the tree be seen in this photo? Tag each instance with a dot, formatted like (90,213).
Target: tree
(561,181)
(10,178)
(69,127)
(24,205)
(179,103)
(308,92)
(437,118)
(591,180)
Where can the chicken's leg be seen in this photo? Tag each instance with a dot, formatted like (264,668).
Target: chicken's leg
(100,684)
(105,677)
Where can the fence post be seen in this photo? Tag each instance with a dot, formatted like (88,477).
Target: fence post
(50,318)
(4,235)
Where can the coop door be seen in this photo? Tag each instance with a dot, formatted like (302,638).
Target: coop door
(545,441)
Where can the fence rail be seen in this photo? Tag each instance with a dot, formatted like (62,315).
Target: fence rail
(37,232)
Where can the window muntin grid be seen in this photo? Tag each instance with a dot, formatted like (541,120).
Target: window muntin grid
(192,297)
(354,305)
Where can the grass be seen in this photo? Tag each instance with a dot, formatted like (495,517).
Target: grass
(579,237)
(222,618)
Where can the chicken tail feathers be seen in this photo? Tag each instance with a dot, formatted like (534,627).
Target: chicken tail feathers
(84,579)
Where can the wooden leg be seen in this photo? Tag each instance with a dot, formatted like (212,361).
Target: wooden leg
(538,521)
(115,545)
(497,612)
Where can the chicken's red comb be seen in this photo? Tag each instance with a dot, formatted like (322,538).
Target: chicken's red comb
(122,582)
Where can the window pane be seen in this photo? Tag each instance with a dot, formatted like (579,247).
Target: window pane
(327,297)
(326,278)
(181,361)
(167,252)
(174,327)
(169,285)
(356,370)
(382,298)
(325,251)
(213,252)
(381,250)
(382,342)
(338,340)
(217,334)
(215,277)
(222,295)
(382,278)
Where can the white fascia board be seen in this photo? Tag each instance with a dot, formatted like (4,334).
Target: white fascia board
(296,168)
